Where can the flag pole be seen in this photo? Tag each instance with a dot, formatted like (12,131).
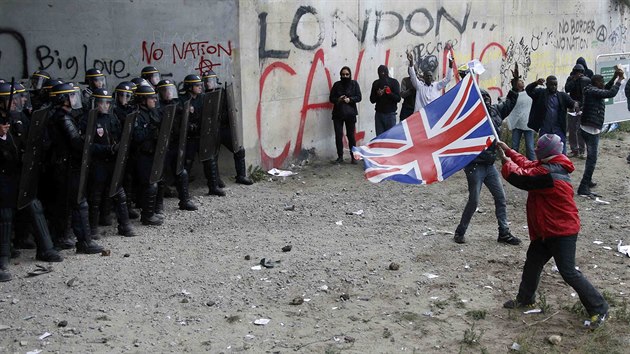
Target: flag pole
(494,131)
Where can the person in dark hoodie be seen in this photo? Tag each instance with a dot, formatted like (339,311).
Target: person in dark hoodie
(587,72)
(385,94)
(593,121)
(553,223)
(576,82)
(482,171)
(345,94)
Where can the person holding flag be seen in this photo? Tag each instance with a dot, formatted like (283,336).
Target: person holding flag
(482,171)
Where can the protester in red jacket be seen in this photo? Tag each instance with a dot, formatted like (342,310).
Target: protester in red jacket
(553,222)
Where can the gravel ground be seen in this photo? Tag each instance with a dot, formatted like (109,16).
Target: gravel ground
(372,269)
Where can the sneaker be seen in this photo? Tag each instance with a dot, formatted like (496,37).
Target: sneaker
(509,239)
(596,321)
(459,238)
(515,304)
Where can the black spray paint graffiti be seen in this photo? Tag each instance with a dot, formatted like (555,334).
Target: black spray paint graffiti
(47,57)
(17,36)
(515,53)
(426,54)
(418,22)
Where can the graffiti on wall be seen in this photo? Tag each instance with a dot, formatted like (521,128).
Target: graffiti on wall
(203,53)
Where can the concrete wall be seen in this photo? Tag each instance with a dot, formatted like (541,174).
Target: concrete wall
(287,54)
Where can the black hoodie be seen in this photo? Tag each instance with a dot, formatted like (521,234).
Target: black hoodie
(587,72)
(388,102)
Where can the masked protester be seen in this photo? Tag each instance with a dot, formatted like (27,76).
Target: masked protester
(385,94)
(67,151)
(345,94)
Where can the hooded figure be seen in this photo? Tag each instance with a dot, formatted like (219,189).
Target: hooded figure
(385,94)
(587,72)
(344,95)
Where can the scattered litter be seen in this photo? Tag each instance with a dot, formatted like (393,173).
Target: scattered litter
(249,336)
(601,201)
(340,222)
(288,207)
(36,351)
(358,212)
(28,318)
(434,297)
(106,253)
(515,346)
(184,292)
(607,248)
(529,312)
(257,267)
(394,266)
(71,281)
(323,288)
(445,232)
(428,314)
(428,233)
(45,335)
(430,276)
(487,287)
(39,270)
(466,266)
(268,263)
(62,323)
(280,173)
(598,242)
(623,249)
(261,321)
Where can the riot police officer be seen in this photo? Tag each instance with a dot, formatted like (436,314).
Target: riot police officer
(151,74)
(229,131)
(66,154)
(104,148)
(95,79)
(145,135)
(167,92)
(12,146)
(38,79)
(122,108)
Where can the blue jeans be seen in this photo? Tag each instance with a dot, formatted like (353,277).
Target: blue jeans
(529,142)
(562,249)
(384,121)
(476,175)
(592,143)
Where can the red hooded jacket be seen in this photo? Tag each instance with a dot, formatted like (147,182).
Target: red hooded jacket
(551,209)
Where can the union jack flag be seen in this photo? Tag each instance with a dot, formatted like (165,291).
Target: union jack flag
(434,143)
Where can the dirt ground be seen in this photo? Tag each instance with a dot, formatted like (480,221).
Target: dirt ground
(192,285)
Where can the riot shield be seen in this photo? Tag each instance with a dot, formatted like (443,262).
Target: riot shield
(31,159)
(123,153)
(162,143)
(236,125)
(86,154)
(183,133)
(209,135)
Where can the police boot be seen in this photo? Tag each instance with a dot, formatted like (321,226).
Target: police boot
(239,164)
(22,231)
(81,227)
(6,218)
(133,214)
(147,217)
(93,217)
(105,218)
(220,182)
(212,174)
(60,237)
(45,249)
(182,190)
(159,201)
(130,195)
(122,214)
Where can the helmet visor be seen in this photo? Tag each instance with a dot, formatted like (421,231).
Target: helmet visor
(167,92)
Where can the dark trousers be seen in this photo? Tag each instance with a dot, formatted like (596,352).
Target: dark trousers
(405,112)
(384,121)
(592,144)
(562,249)
(476,176)
(350,129)
(576,141)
